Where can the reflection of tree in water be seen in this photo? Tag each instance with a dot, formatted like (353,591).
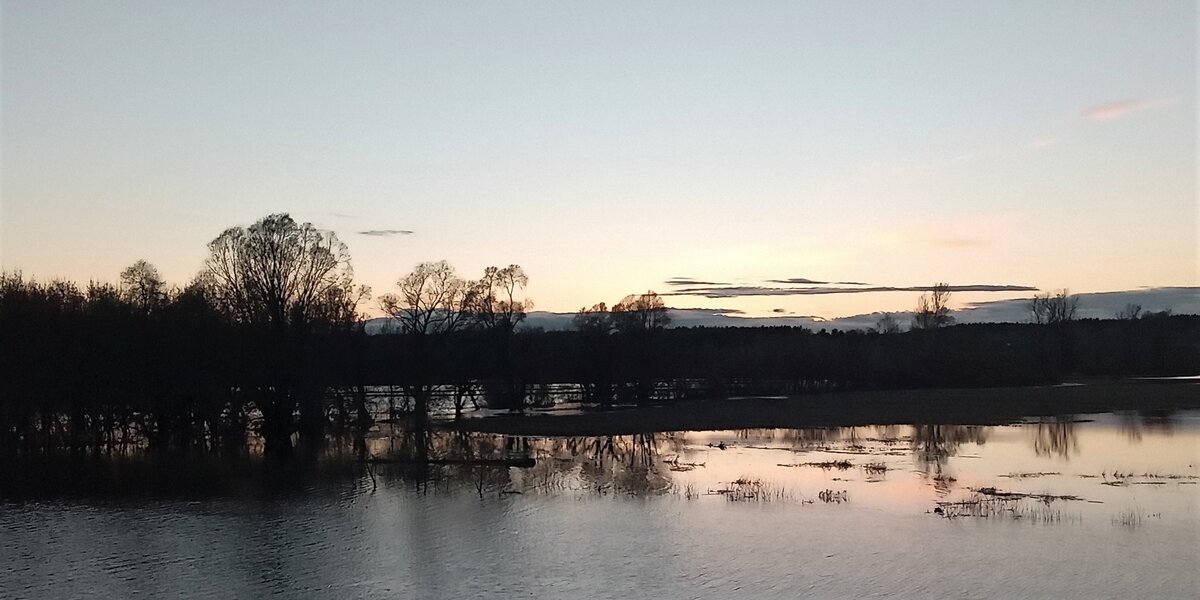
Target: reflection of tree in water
(631,464)
(1055,436)
(625,464)
(1136,423)
(933,444)
(802,438)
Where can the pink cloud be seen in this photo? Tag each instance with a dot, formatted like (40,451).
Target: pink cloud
(1116,110)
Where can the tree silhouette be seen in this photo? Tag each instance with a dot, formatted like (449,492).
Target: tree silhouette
(640,313)
(282,281)
(281,273)
(1051,308)
(498,311)
(933,308)
(432,300)
(143,286)
(887,324)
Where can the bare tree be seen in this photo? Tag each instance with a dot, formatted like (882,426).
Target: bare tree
(495,308)
(284,279)
(494,298)
(640,313)
(933,308)
(281,273)
(432,300)
(1130,313)
(887,324)
(594,320)
(1050,308)
(142,286)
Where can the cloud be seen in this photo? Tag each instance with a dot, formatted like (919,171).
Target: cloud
(759,291)
(1094,305)
(385,232)
(1116,110)
(341,215)
(797,281)
(684,281)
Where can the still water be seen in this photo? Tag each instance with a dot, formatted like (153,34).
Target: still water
(1092,506)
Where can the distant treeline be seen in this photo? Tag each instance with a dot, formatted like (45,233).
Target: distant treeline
(267,341)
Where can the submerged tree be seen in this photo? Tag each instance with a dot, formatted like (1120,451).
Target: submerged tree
(933,308)
(638,319)
(595,326)
(497,310)
(283,280)
(433,301)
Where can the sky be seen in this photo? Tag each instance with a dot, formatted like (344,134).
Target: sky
(612,148)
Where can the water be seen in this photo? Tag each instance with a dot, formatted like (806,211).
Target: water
(1111,512)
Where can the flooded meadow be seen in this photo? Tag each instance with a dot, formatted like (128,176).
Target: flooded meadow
(1102,505)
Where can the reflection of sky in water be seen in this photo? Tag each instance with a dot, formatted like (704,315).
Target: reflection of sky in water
(610,518)
(1116,463)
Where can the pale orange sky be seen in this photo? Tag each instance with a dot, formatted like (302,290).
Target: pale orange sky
(607,150)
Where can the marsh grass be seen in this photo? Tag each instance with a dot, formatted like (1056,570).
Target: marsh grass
(833,497)
(875,468)
(1029,475)
(829,465)
(1133,518)
(745,489)
(1015,508)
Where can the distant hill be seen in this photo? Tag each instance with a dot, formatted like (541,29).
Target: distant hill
(1096,305)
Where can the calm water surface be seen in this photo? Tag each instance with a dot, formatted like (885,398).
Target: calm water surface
(1086,507)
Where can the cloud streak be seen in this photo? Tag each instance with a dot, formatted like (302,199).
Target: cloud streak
(385,232)
(686,281)
(1117,110)
(797,281)
(763,291)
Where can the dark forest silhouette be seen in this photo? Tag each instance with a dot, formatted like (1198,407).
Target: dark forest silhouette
(267,340)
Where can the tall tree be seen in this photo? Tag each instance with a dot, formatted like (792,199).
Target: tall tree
(432,302)
(933,308)
(639,318)
(1050,308)
(432,299)
(497,310)
(280,273)
(283,280)
(595,326)
(143,286)
(494,298)
(640,313)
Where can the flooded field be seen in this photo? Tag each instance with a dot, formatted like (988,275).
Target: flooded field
(1085,506)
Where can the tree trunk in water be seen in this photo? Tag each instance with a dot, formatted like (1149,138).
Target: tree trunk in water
(277,424)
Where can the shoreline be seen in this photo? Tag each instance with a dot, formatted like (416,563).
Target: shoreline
(981,406)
